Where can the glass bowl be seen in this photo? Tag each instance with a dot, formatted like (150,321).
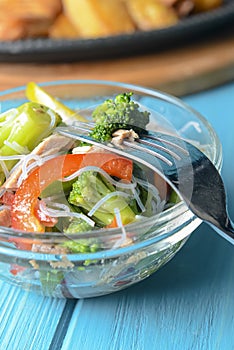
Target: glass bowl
(154,241)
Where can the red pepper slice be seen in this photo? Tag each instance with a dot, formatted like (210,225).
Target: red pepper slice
(113,224)
(26,196)
(15,269)
(46,220)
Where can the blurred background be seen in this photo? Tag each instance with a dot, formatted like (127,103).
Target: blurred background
(178,46)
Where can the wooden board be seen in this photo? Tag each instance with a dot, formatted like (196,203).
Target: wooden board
(179,71)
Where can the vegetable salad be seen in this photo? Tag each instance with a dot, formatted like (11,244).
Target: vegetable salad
(52,183)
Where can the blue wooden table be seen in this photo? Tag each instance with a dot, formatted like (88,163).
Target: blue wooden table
(187,305)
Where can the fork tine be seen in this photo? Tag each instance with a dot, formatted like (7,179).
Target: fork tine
(82,129)
(168,140)
(154,142)
(150,151)
(83,126)
(89,125)
(137,156)
(159,147)
(154,147)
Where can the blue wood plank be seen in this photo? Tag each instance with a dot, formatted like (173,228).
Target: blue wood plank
(27,321)
(189,303)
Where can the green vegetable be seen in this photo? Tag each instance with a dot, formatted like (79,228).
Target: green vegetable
(57,187)
(37,94)
(50,280)
(78,225)
(24,128)
(81,245)
(174,198)
(89,189)
(120,113)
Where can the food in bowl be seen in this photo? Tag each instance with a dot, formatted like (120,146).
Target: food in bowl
(71,19)
(78,221)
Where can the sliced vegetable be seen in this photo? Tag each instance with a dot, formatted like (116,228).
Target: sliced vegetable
(31,122)
(7,198)
(37,94)
(15,269)
(26,196)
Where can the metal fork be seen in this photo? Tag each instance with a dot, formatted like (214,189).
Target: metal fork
(182,165)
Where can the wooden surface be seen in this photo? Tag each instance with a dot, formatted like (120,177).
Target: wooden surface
(178,71)
(187,305)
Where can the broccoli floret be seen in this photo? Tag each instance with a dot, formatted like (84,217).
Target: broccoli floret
(78,225)
(120,113)
(89,189)
(81,246)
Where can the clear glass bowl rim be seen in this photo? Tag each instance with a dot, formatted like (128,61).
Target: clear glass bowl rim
(177,210)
